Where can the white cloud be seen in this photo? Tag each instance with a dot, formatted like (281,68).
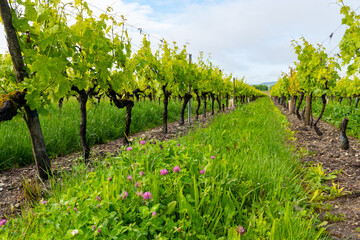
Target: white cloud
(257,32)
(245,37)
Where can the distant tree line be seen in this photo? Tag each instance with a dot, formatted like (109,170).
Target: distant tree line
(261,87)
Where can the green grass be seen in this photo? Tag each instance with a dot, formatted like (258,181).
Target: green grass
(251,179)
(61,129)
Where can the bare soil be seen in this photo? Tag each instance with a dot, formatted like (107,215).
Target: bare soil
(12,197)
(326,150)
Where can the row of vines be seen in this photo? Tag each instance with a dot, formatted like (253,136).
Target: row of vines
(53,56)
(316,74)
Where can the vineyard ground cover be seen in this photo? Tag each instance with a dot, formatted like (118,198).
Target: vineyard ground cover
(325,150)
(11,180)
(335,112)
(61,129)
(236,174)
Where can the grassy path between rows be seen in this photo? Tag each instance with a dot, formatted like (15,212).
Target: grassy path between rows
(236,179)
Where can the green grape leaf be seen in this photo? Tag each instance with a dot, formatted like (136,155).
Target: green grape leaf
(30,12)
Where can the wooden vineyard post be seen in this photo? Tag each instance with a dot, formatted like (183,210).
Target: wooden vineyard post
(307,110)
(292,105)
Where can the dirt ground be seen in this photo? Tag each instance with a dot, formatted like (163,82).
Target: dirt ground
(326,150)
(11,187)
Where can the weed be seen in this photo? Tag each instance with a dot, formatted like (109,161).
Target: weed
(334,217)
(320,206)
(336,191)
(316,176)
(31,189)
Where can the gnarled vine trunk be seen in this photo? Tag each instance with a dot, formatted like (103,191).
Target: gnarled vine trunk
(165,112)
(323,98)
(212,96)
(83,97)
(121,103)
(298,106)
(218,100)
(227,101)
(199,103)
(343,138)
(128,122)
(187,97)
(42,160)
(10,103)
(60,103)
(284,102)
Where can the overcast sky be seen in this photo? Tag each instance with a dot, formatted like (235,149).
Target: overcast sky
(250,38)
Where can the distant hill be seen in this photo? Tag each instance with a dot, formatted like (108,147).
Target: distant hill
(268,84)
(263,86)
